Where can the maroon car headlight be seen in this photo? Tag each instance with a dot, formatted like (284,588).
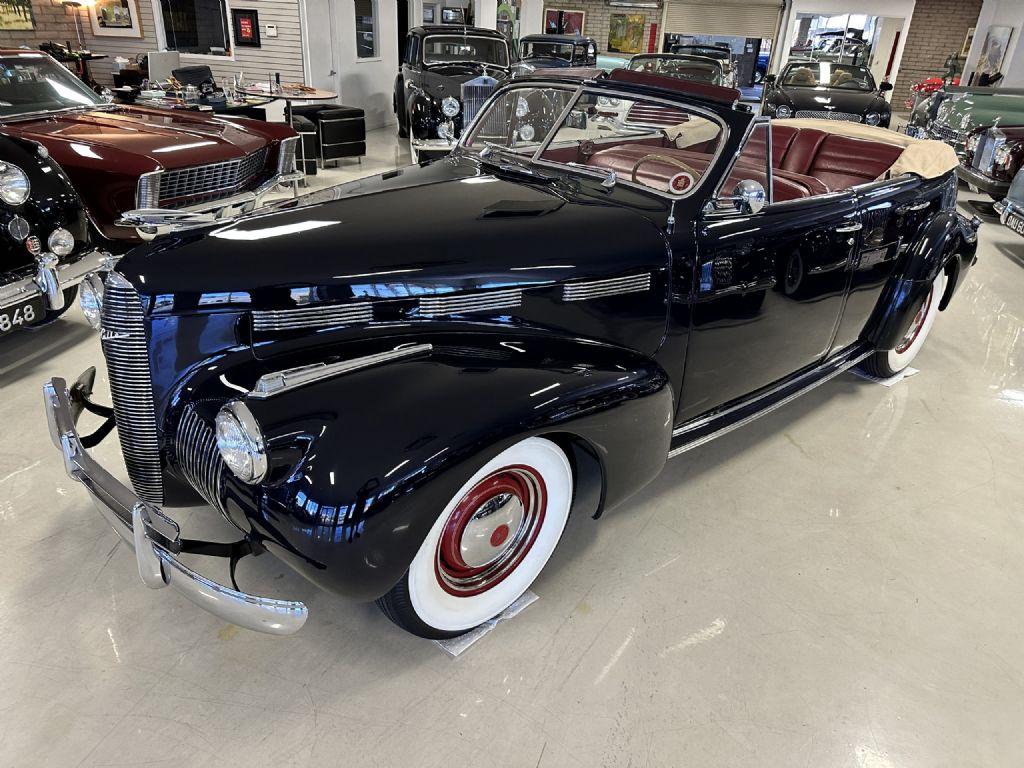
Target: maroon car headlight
(14,184)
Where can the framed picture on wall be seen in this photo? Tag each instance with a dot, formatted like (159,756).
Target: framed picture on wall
(997,39)
(561,22)
(626,33)
(246,24)
(968,41)
(115,18)
(16,15)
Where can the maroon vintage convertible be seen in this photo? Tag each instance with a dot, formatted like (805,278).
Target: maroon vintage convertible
(123,158)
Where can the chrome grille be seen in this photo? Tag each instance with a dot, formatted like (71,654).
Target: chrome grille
(124,347)
(458,304)
(943,132)
(312,317)
(643,113)
(209,182)
(594,289)
(195,446)
(826,114)
(988,143)
(474,94)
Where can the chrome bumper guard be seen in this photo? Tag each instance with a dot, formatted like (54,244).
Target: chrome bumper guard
(52,278)
(154,536)
(150,223)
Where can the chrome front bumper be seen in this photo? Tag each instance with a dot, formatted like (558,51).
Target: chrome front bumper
(154,536)
(51,279)
(153,222)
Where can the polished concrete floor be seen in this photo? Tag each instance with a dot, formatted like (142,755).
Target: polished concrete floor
(837,585)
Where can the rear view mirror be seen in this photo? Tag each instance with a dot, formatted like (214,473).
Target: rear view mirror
(749,196)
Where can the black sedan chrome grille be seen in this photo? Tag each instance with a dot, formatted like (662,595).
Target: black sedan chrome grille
(124,347)
(196,448)
(208,182)
(826,114)
(474,95)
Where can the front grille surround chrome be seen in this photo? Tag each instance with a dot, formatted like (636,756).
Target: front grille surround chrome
(198,457)
(642,113)
(328,316)
(196,183)
(461,303)
(827,114)
(126,351)
(614,286)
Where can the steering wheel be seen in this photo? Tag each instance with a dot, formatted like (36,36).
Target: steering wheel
(689,175)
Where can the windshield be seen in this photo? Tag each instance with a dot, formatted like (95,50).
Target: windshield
(449,49)
(702,50)
(547,50)
(681,67)
(32,82)
(827,74)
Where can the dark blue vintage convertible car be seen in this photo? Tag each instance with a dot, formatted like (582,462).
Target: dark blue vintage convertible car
(403,386)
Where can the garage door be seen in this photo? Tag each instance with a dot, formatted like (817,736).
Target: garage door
(750,18)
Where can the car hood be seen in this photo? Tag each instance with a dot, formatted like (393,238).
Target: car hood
(424,230)
(818,99)
(968,110)
(169,139)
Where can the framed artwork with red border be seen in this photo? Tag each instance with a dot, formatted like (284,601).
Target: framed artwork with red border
(246,24)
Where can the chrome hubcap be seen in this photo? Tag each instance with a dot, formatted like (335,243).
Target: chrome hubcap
(493,528)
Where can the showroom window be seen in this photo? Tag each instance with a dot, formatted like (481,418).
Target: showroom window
(366,29)
(196,26)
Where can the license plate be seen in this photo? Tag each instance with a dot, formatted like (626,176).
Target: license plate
(19,315)
(1016,223)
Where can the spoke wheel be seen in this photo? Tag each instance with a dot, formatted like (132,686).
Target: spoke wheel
(488,545)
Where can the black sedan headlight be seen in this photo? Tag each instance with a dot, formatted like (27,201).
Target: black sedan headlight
(14,184)
(450,106)
(240,442)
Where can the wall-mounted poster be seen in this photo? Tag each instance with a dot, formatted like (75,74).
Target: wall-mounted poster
(115,18)
(996,42)
(626,33)
(16,15)
(247,27)
(968,41)
(559,22)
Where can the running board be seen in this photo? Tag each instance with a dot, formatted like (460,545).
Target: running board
(706,428)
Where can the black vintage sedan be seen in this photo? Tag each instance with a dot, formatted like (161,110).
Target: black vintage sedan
(552,51)
(829,91)
(456,356)
(44,243)
(445,76)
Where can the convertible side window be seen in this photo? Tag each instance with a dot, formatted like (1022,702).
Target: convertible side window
(664,147)
(520,118)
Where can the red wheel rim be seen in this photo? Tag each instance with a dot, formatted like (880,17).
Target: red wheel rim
(490,531)
(917,325)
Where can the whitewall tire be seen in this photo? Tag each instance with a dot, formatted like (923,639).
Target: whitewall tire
(489,543)
(885,363)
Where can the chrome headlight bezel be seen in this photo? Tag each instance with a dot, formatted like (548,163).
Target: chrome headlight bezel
(872,118)
(61,242)
(90,299)
(783,111)
(240,442)
(450,106)
(15,187)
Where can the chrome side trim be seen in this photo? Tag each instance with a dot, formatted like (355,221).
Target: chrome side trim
(153,536)
(593,289)
(271,384)
(814,383)
(324,316)
(460,303)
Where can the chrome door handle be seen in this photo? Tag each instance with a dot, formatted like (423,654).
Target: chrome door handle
(853,226)
(911,207)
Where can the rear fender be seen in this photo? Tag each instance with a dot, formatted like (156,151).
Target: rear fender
(363,463)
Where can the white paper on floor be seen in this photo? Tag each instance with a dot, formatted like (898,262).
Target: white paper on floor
(904,374)
(458,645)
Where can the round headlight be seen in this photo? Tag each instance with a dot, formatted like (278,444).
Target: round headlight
(14,184)
(871,118)
(783,111)
(90,297)
(972,142)
(522,107)
(526,132)
(1002,155)
(605,101)
(450,106)
(240,442)
(444,131)
(61,242)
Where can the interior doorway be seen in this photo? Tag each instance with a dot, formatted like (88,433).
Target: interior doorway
(403,26)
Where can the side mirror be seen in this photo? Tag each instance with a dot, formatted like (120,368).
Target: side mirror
(769,79)
(886,86)
(749,196)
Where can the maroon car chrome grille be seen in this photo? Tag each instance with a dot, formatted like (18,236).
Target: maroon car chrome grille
(182,186)
(125,349)
(652,114)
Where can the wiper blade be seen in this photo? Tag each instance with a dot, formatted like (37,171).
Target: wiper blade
(517,168)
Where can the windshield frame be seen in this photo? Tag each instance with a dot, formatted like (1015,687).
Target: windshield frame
(456,36)
(578,92)
(571,47)
(873,86)
(72,82)
(699,61)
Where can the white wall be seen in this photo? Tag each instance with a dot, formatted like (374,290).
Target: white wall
(1008,13)
(886,33)
(531,18)
(365,83)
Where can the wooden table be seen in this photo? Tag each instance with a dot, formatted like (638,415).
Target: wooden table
(288,95)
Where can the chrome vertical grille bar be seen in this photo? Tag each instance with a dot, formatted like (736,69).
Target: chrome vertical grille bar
(198,457)
(125,349)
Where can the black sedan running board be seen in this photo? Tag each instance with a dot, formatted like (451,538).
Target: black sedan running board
(706,428)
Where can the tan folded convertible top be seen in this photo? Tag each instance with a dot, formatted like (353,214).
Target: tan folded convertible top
(927,158)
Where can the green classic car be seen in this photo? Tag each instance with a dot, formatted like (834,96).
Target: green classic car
(951,114)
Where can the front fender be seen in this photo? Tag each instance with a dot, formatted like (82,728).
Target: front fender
(374,456)
(947,241)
